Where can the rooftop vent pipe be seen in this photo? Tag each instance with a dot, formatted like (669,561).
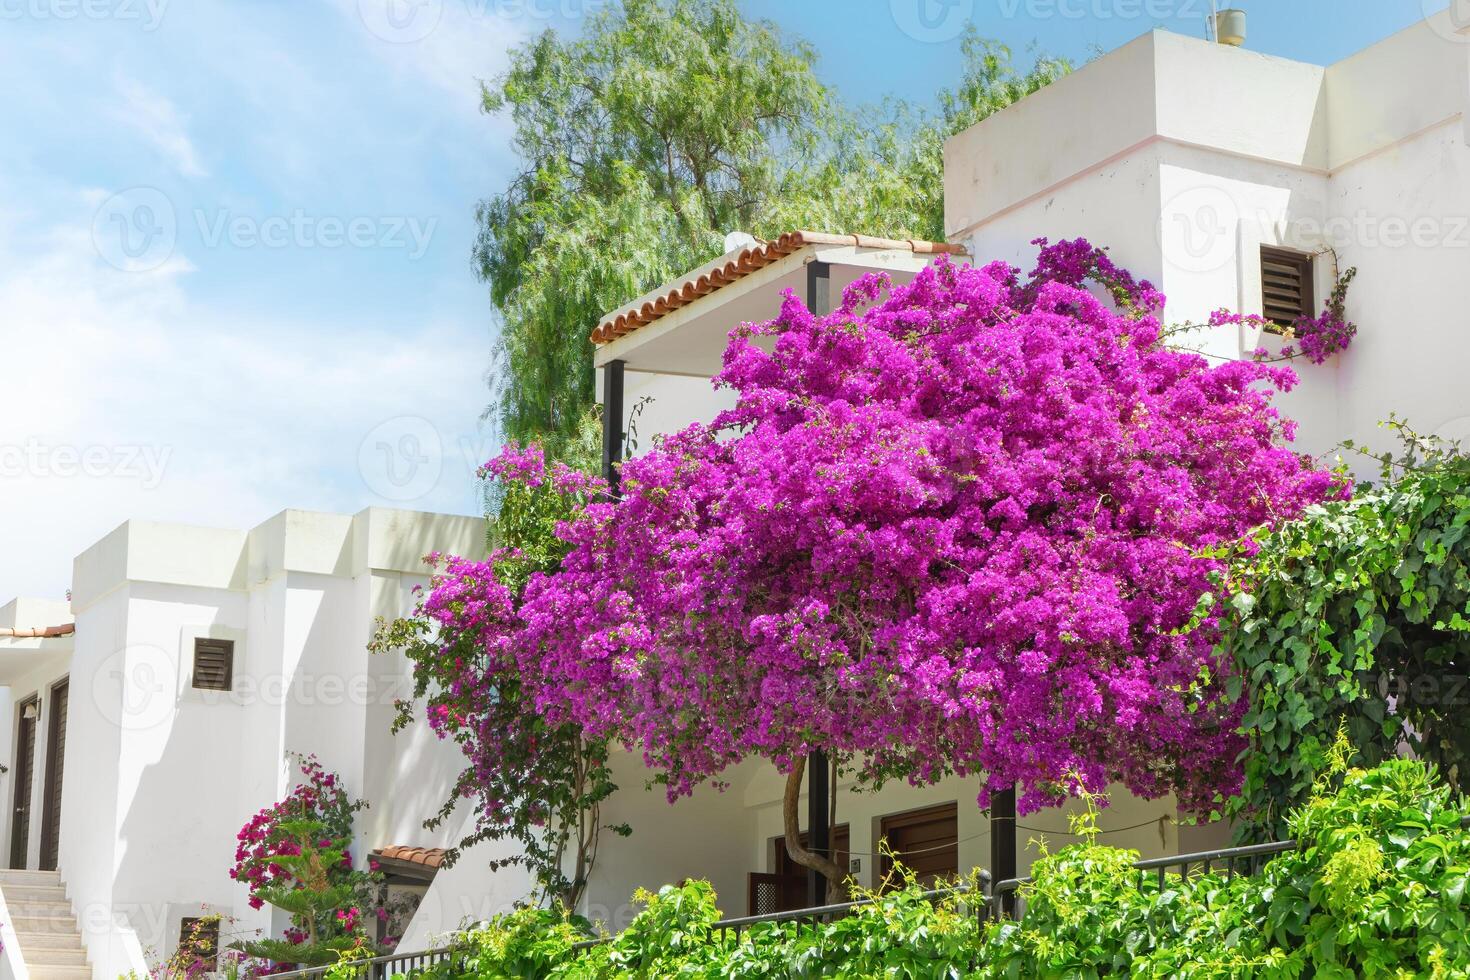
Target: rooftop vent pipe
(1230,27)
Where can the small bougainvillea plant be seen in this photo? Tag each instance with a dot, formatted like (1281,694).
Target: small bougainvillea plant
(296,855)
(956,526)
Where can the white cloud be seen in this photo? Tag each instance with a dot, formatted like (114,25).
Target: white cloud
(125,399)
(451,44)
(157,120)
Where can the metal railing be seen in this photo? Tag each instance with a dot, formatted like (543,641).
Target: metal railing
(1007,900)
(1000,900)
(818,915)
(379,967)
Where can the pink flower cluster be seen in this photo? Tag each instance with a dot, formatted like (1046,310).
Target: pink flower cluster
(318,796)
(955,526)
(1317,338)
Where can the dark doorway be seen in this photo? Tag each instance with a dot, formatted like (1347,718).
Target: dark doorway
(24,769)
(785,890)
(55,761)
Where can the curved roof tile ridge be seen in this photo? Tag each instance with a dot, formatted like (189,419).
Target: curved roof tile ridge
(740,264)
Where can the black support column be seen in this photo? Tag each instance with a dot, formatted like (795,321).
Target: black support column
(1003,843)
(818,788)
(819,835)
(612,422)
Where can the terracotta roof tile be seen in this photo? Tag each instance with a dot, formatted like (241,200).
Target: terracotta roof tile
(741,264)
(429,857)
(66,629)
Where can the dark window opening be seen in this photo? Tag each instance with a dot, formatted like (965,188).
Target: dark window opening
(199,944)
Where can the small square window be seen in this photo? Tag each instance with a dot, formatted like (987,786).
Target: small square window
(214,664)
(1286,286)
(199,944)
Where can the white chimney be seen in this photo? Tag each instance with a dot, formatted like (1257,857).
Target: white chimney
(1230,27)
(737,240)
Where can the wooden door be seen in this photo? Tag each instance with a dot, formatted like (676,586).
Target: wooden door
(55,763)
(926,842)
(21,773)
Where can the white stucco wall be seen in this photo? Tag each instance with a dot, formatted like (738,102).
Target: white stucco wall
(1185,157)
(160,777)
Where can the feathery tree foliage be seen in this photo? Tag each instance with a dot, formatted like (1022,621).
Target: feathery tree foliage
(668,124)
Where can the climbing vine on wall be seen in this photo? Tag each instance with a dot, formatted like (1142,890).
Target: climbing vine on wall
(1357,611)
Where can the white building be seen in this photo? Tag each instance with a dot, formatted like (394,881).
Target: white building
(189,665)
(1186,158)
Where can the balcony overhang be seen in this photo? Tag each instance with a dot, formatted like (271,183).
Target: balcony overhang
(682,327)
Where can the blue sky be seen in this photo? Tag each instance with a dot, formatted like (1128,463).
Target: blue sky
(235,234)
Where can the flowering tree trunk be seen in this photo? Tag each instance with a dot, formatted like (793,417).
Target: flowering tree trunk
(822,863)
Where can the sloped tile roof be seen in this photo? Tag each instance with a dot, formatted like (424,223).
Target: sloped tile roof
(66,629)
(429,857)
(741,264)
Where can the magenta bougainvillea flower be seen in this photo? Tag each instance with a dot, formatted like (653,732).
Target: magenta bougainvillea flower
(955,526)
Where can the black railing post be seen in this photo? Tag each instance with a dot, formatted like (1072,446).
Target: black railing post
(612,423)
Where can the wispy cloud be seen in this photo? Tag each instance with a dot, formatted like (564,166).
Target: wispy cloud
(127,399)
(155,371)
(154,117)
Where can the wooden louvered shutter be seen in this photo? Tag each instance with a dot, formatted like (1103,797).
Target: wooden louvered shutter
(214,664)
(1286,285)
(55,776)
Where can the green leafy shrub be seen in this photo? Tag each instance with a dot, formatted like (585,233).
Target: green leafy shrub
(1377,888)
(1357,611)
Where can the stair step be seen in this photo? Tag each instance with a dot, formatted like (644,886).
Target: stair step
(19,877)
(38,910)
(20,894)
(49,940)
(64,925)
(61,972)
(41,956)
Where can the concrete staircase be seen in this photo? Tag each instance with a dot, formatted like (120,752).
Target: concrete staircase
(50,941)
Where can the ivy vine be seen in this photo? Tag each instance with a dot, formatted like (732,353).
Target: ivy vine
(1359,612)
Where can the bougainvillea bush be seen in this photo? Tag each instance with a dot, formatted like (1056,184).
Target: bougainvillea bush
(296,855)
(1378,888)
(954,526)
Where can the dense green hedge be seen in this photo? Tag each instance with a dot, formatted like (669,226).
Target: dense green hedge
(1378,888)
